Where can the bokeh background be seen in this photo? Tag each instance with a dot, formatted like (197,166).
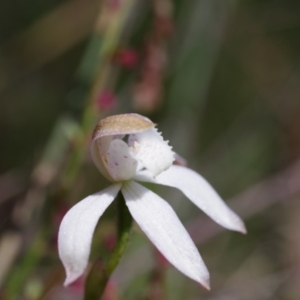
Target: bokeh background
(221,78)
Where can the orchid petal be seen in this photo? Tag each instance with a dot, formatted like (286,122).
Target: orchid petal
(162,226)
(110,128)
(99,149)
(200,192)
(121,165)
(144,176)
(77,228)
(151,150)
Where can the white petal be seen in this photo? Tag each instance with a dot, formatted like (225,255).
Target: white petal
(98,150)
(144,176)
(77,228)
(151,150)
(120,163)
(200,192)
(162,226)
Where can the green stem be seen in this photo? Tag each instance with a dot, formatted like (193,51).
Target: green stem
(99,275)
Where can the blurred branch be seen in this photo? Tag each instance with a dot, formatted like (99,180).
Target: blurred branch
(56,164)
(12,184)
(272,72)
(9,247)
(33,255)
(261,288)
(256,199)
(47,169)
(256,284)
(195,50)
(109,31)
(24,214)
(48,38)
(273,17)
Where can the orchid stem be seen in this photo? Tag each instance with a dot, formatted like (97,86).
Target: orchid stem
(98,276)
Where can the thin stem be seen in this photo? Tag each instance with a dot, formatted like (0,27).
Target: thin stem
(93,78)
(99,275)
(98,77)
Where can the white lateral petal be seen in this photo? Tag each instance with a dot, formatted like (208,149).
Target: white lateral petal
(98,150)
(121,166)
(200,192)
(149,148)
(162,226)
(77,228)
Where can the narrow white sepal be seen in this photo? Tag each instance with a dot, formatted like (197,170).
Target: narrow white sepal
(150,149)
(76,231)
(200,192)
(162,226)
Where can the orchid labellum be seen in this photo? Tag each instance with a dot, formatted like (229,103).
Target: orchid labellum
(128,149)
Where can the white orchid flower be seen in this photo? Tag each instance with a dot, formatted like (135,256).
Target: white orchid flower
(143,156)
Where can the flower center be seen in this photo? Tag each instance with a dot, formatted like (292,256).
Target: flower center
(144,150)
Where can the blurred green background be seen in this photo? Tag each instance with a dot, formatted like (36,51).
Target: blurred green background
(221,78)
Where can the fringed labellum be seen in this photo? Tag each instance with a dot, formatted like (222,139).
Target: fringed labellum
(123,145)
